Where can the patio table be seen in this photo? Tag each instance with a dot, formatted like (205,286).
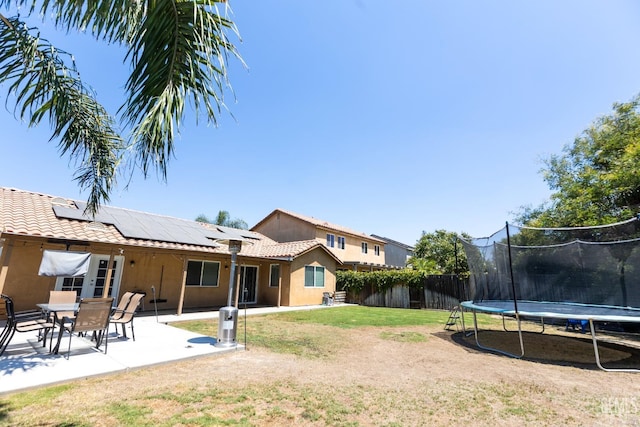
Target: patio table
(55,309)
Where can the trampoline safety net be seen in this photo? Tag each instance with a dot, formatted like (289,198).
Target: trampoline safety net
(585,265)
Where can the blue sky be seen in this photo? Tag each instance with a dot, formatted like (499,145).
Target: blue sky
(391,118)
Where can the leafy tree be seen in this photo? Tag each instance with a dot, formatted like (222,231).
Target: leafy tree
(435,253)
(427,266)
(177,52)
(596,179)
(223,218)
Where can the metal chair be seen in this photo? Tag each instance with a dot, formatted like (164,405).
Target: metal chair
(92,316)
(118,312)
(61,297)
(127,315)
(27,321)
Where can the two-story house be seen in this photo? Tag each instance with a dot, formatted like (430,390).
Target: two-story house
(356,250)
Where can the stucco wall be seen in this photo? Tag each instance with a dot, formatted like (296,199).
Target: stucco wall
(301,295)
(22,282)
(268,295)
(353,247)
(164,271)
(160,269)
(284,228)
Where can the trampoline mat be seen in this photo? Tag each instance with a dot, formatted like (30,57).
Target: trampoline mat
(557,310)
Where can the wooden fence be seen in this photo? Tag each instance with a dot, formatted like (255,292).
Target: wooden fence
(437,292)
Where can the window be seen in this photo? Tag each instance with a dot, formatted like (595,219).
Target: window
(376,250)
(313,276)
(202,273)
(330,240)
(274,275)
(72,284)
(365,248)
(340,242)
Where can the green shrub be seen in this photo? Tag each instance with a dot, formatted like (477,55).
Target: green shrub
(355,281)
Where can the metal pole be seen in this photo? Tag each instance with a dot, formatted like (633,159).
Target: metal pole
(244,286)
(232,278)
(513,284)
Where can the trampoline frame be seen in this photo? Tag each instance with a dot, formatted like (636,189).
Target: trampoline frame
(552,310)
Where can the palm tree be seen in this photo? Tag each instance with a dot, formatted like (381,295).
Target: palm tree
(224,218)
(177,50)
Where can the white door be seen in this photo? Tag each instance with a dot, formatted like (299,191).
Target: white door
(92,284)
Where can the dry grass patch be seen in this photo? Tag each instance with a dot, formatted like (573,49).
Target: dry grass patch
(359,376)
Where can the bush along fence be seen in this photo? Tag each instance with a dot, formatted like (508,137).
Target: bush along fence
(403,289)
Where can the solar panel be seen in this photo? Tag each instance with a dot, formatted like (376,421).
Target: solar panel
(146,226)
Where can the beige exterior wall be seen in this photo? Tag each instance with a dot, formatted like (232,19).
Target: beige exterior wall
(353,247)
(22,282)
(164,271)
(197,296)
(301,295)
(284,228)
(272,295)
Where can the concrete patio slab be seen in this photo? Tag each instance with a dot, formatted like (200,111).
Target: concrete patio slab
(27,364)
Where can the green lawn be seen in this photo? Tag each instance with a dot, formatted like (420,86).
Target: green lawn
(278,332)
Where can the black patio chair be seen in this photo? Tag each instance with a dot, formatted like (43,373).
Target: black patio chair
(24,321)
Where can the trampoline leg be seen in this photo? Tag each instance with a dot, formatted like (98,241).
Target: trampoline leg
(464,326)
(597,352)
(504,325)
(506,353)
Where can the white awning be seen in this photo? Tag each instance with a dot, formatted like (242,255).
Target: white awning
(64,263)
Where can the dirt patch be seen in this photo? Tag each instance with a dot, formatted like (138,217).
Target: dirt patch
(372,379)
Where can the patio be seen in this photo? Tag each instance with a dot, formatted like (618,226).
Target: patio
(26,364)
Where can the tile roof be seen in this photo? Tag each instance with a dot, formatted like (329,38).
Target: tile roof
(273,249)
(323,224)
(34,214)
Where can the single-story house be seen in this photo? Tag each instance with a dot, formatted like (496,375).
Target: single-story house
(181,264)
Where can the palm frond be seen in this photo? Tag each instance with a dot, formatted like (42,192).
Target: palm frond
(178,51)
(111,20)
(179,54)
(44,86)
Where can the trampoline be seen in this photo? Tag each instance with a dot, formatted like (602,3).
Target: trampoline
(586,274)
